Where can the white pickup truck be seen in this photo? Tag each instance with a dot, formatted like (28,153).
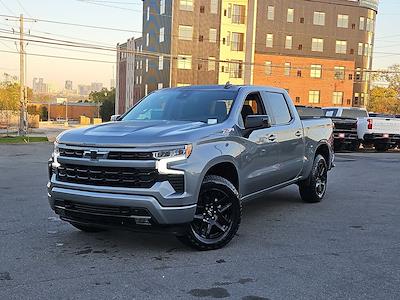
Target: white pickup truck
(382,132)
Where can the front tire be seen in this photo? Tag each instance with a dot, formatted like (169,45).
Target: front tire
(381,147)
(217,216)
(313,189)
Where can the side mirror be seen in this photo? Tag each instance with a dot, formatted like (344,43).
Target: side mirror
(114,118)
(257,122)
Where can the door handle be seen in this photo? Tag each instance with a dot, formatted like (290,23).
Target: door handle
(298,133)
(272,138)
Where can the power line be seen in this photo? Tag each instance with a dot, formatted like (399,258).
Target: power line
(6,7)
(61,57)
(23,8)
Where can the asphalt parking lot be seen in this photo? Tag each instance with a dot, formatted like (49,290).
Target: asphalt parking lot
(347,247)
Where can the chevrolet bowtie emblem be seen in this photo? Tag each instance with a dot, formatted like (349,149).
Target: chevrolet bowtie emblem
(94,154)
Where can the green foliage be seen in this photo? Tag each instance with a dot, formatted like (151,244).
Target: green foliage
(384,100)
(393,77)
(106,99)
(44,113)
(9,96)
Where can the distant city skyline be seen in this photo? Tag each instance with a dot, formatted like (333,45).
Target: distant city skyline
(122,16)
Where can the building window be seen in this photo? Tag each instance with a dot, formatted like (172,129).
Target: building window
(290,15)
(213,35)
(298,99)
(162,7)
(337,98)
(360,48)
(362,23)
(270,13)
(140,79)
(147,65)
(316,71)
(268,68)
(270,40)
(235,69)
(343,21)
(161,62)
(146,90)
(317,45)
(214,6)
(184,62)
(147,39)
(160,86)
(298,73)
(185,32)
(319,18)
(287,69)
(186,5)
(211,63)
(288,42)
(238,14)
(339,73)
(370,25)
(341,47)
(237,41)
(148,13)
(162,30)
(314,97)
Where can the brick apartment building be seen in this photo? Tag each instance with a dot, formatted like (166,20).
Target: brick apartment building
(319,50)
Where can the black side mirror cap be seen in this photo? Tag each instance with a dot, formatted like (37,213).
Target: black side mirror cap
(257,122)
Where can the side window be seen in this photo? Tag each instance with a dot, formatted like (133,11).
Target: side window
(331,112)
(252,106)
(278,107)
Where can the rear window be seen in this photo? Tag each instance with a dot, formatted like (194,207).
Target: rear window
(331,112)
(310,111)
(354,113)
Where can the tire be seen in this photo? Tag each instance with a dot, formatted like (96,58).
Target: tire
(313,189)
(381,147)
(354,146)
(217,216)
(87,228)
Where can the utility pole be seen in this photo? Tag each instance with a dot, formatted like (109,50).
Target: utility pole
(23,120)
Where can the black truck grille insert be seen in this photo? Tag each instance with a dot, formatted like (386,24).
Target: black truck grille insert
(115,155)
(116,176)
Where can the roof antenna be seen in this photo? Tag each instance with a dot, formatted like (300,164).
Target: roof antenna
(227,85)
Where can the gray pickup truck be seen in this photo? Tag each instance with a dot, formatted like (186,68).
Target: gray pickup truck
(185,159)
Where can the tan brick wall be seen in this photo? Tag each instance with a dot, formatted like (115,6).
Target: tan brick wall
(300,86)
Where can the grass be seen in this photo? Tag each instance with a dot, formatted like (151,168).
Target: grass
(22,139)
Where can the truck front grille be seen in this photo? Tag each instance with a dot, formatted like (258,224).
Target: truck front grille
(115,155)
(116,176)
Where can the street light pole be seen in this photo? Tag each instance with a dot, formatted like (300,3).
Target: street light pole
(23,122)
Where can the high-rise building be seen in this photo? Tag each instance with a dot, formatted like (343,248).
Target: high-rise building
(319,50)
(128,89)
(39,86)
(96,86)
(68,85)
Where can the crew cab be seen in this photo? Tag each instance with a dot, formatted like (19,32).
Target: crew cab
(345,130)
(185,159)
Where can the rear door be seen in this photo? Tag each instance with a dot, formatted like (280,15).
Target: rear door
(289,134)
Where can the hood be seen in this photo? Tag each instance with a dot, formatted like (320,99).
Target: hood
(137,133)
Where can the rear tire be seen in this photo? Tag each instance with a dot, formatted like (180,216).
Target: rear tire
(313,189)
(217,216)
(381,147)
(87,228)
(354,146)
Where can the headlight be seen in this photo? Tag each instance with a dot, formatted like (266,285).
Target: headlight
(56,151)
(164,157)
(183,152)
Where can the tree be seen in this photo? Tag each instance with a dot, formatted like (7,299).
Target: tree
(384,101)
(393,77)
(106,100)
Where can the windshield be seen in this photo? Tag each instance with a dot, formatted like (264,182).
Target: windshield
(208,106)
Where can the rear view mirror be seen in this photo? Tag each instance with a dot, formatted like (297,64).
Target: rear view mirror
(114,118)
(257,122)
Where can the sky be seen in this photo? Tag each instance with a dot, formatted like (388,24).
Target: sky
(126,14)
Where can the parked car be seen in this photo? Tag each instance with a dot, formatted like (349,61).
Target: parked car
(382,132)
(345,130)
(185,159)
